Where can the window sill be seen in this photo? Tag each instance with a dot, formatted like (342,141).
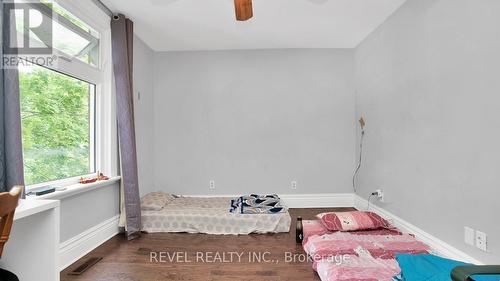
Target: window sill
(27,208)
(75,189)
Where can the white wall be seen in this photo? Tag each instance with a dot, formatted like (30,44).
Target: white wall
(428,84)
(143,107)
(253,121)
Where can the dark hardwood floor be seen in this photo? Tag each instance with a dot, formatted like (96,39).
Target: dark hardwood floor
(201,257)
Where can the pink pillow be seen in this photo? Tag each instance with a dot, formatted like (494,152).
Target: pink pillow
(352,221)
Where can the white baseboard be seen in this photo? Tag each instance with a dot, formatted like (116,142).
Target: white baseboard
(75,248)
(325,200)
(439,246)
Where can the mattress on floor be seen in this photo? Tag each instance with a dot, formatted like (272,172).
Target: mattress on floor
(357,255)
(211,216)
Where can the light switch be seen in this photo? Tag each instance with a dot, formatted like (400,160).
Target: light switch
(469,236)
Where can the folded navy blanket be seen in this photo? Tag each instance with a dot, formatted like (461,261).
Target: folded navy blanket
(257,204)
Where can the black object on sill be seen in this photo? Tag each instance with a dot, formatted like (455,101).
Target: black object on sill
(42,191)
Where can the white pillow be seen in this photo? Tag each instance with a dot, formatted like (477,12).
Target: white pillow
(155,201)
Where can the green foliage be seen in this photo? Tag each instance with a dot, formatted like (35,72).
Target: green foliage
(55,122)
(62,12)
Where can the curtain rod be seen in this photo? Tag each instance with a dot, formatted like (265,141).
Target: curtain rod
(103,7)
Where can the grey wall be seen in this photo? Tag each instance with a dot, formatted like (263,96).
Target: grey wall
(88,209)
(143,107)
(428,84)
(253,121)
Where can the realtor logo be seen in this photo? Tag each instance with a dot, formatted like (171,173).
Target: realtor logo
(27,34)
(28,28)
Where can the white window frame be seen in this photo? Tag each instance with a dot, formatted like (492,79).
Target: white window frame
(105,137)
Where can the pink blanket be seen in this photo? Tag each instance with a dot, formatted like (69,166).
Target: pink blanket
(315,227)
(359,255)
(358,268)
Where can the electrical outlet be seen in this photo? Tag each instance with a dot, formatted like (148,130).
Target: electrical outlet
(481,241)
(212,185)
(293,185)
(469,236)
(380,195)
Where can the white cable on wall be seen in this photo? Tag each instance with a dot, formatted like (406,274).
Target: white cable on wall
(362,123)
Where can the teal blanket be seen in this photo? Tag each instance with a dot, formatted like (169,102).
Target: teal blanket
(430,268)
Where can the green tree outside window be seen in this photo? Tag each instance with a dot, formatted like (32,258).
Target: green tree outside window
(56,116)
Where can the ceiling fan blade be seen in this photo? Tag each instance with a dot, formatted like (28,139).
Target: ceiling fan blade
(244,10)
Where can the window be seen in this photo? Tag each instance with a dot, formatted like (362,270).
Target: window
(67,33)
(57,113)
(67,109)
(73,37)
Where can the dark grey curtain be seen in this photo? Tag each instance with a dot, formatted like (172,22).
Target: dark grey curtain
(122,33)
(11,152)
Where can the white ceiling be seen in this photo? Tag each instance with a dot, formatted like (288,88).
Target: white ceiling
(168,25)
